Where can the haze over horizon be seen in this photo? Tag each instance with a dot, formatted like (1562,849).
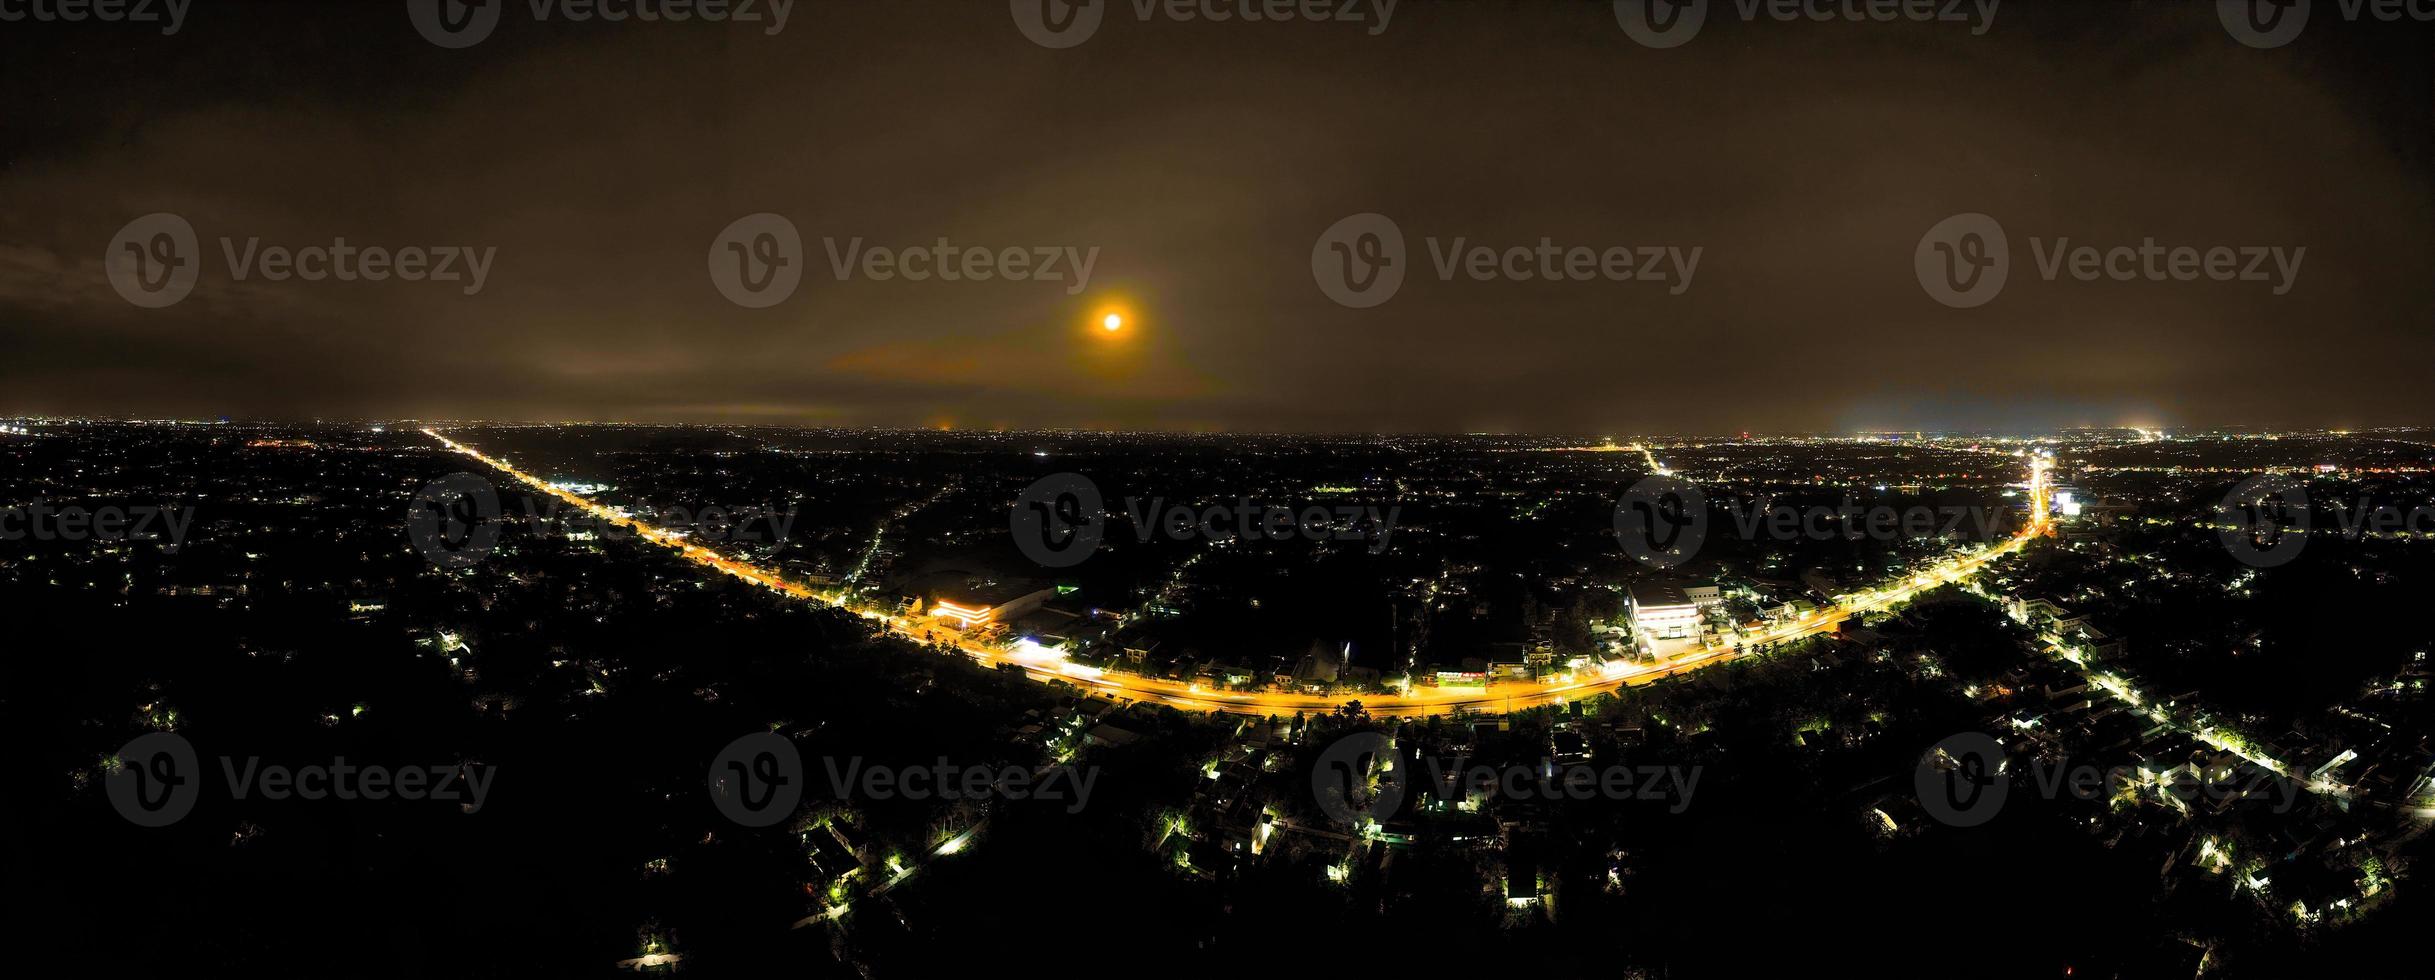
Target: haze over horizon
(1620,435)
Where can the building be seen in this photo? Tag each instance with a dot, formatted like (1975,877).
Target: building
(978,613)
(1662,611)
(974,604)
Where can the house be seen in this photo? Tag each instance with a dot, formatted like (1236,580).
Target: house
(1106,734)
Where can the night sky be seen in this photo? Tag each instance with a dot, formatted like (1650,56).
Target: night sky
(1203,160)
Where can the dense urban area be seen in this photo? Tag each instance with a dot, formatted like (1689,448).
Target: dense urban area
(1437,701)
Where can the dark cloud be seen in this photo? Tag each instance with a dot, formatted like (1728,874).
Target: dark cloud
(1202,160)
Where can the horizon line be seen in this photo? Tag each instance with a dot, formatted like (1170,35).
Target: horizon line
(1742,434)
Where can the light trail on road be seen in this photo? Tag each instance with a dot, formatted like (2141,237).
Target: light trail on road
(1049,665)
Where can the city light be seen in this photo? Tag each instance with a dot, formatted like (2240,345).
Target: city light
(1444,698)
(1255,486)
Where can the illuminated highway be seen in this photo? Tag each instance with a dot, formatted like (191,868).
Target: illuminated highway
(1048,664)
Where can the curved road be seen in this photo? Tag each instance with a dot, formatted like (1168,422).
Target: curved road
(1048,665)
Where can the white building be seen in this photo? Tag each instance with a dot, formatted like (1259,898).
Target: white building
(1662,611)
